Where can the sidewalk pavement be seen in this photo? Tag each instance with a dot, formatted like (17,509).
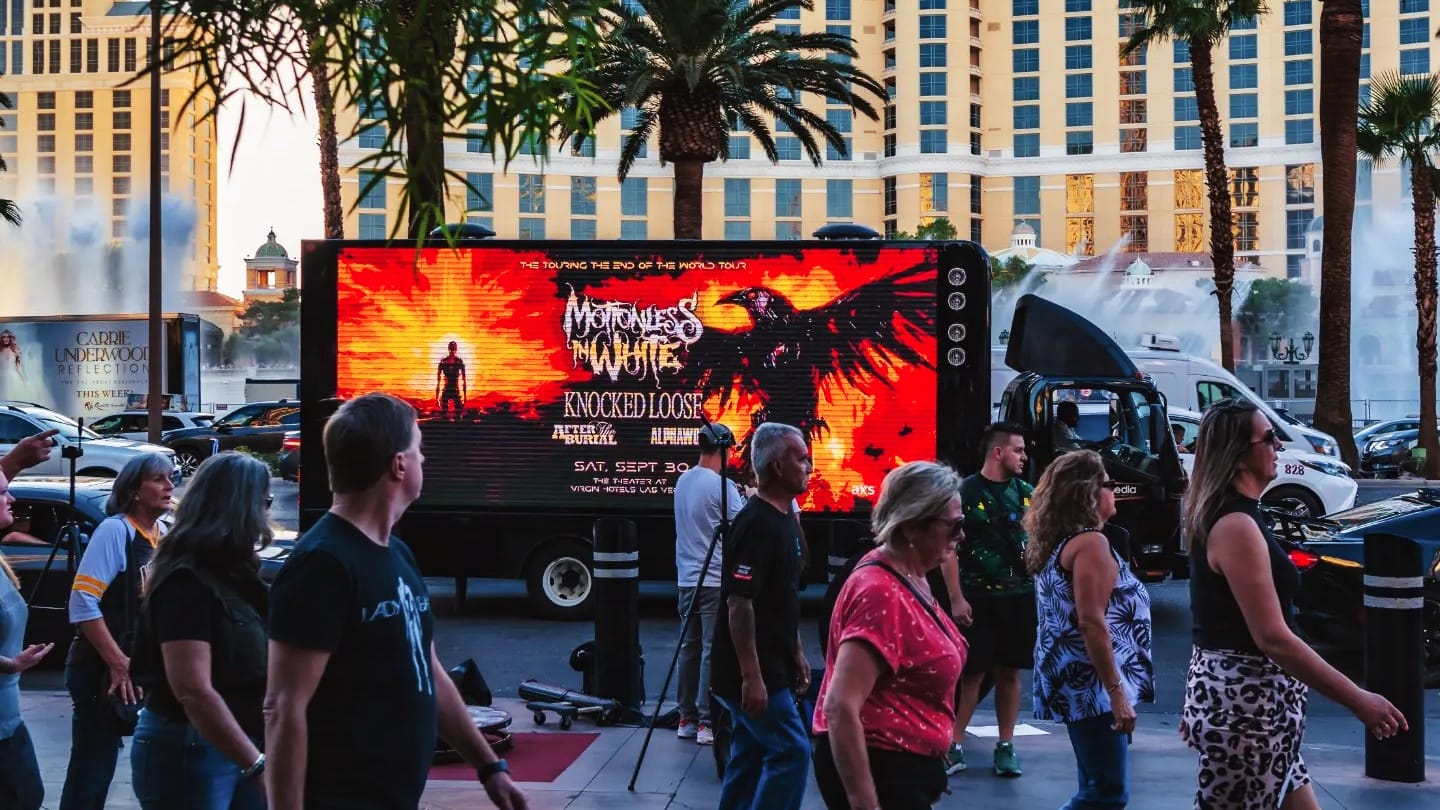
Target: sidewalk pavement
(680,775)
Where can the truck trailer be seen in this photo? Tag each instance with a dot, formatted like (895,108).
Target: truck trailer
(561,382)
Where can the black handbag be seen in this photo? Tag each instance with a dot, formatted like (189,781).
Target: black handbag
(123,716)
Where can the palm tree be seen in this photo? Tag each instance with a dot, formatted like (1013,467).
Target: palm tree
(1341,30)
(1202,24)
(1402,119)
(328,140)
(413,61)
(692,67)
(9,211)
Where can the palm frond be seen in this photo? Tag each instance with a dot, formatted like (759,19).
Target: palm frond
(1402,117)
(10,212)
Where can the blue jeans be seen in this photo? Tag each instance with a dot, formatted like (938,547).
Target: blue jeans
(1101,758)
(94,745)
(694,677)
(174,768)
(769,756)
(20,784)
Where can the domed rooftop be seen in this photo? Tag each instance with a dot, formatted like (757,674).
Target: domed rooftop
(1022,228)
(271,249)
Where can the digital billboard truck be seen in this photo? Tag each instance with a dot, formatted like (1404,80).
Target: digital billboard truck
(90,365)
(561,382)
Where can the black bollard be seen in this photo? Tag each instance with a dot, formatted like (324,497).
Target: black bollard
(1395,652)
(617,613)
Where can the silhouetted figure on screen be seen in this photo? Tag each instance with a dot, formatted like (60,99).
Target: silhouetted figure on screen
(452,370)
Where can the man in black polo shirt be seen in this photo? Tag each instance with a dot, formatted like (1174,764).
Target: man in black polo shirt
(758,666)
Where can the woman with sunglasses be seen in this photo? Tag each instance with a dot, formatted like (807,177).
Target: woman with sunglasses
(1092,649)
(887,702)
(1246,688)
(201,647)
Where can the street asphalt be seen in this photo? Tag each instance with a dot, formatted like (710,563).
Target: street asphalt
(494,627)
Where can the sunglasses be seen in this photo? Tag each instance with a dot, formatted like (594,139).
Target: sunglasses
(1268,437)
(957,527)
(269,499)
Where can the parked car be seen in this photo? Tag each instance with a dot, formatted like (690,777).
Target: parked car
(42,515)
(1308,484)
(290,456)
(257,426)
(1330,553)
(1384,454)
(1368,432)
(136,424)
(100,456)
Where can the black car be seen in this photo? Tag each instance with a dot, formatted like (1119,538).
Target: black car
(42,515)
(1385,455)
(1330,553)
(257,426)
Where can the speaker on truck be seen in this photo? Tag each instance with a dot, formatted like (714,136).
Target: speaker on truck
(963,334)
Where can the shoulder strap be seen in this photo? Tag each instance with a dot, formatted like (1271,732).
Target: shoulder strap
(131,578)
(914,591)
(1060,546)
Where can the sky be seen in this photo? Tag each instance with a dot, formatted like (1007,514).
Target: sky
(275,183)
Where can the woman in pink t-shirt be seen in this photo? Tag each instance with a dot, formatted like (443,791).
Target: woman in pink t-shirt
(892,659)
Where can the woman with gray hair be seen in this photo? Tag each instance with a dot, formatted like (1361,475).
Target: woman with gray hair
(104,602)
(1247,685)
(888,697)
(200,648)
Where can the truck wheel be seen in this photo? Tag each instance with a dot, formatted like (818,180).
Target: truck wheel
(1295,500)
(559,581)
(187,461)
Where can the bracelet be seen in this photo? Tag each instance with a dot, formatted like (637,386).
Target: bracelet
(255,769)
(1112,687)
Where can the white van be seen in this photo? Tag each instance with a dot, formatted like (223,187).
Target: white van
(1192,383)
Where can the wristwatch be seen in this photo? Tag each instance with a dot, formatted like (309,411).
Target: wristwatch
(487,771)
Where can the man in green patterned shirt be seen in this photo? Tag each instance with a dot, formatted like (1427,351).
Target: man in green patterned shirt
(992,599)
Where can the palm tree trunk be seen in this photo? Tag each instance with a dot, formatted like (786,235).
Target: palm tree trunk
(1217,186)
(1422,191)
(688,212)
(430,46)
(329,150)
(1341,28)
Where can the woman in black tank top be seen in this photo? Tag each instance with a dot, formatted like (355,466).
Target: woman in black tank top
(1242,587)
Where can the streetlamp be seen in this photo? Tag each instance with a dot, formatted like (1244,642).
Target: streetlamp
(1290,354)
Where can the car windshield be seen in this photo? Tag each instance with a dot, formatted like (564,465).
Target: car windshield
(67,427)
(203,421)
(1380,510)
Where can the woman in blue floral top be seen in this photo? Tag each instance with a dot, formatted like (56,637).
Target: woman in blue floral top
(1092,650)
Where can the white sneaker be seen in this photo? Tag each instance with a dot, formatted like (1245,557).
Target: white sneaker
(686,730)
(704,736)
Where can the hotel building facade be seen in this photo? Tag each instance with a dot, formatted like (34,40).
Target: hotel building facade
(77,143)
(1000,112)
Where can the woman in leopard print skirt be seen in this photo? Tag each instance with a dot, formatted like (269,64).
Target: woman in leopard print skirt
(1249,673)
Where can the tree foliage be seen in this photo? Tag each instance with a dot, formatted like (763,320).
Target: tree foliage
(1008,273)
(937,230)
(1277,305)
(432,69)
(269,332)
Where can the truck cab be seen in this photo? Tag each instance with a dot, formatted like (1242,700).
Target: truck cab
(1061,357)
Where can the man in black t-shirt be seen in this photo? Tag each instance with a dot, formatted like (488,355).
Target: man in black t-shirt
(356,692)
(758,666)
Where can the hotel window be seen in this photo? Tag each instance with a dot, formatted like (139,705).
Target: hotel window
(479,191)
(1415,61)
(45,100)
(582,229)
(121,164)
(1022,60)
(1297,223)
(1244,105)
(1026,32)
(831,153)
(1133,140)
(84,99)
(1134,191)
(1300,43)
(739,147)
(934,193)
(787,198)
(1079,57)
(1301,131)
(84,164)
(1135,58)
(1243,46)
(1138,229)
(1076,5)
(44,143)
(737,229)
(1244,77)
(532,193)
(582,196)
(120,185)
(45,122)
(1130,22)
(54,56)
(1181,50)
(932,84)
(1189,221)
(1302,71)
(842,119)
(787,230)
(1299,102)
(1079,114)
(1079,143)
(92,56)
(1414,6)
(635,197)
(1297,12)
(1300,184)
(1184,81)
(787,148)
(1244,187)
(933,113)
(1027,146)
(634,229)
(532,228)
(932,26)
(84,186)
(976,196)
(934,141)
(1026,88)
(839,199)
(1133,111)
(85,143)
(1078,29)
(1186,109)
(121,119)
(1243,134)
(120,141)
(837,9)
(1026,116)
(1080,85)
(1247,231)
(1024,8)
(1187,138)
(1414,31)
(737,197)
(372,226)
(112,55)
(371,196)
(932,55)
(1132,83)
(888,184)
(130,56)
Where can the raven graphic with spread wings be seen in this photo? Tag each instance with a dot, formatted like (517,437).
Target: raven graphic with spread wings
(789,356)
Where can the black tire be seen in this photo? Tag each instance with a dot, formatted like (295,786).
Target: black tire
(560,581)
(187,460)
(539,718)
(1295,500)
(566,722)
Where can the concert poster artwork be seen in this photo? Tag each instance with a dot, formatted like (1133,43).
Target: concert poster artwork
(576,376)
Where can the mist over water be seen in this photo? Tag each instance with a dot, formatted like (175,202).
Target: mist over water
(76,268)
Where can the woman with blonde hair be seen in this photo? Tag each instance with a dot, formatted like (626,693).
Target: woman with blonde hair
(20,783)
(888,697)
(1092,647)
(1246,688)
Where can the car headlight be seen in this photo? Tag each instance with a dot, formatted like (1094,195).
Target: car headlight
(1324,447)
(1328,468)
(1381,445)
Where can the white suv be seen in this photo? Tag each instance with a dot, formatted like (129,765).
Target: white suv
(1306,484)
(100,456)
